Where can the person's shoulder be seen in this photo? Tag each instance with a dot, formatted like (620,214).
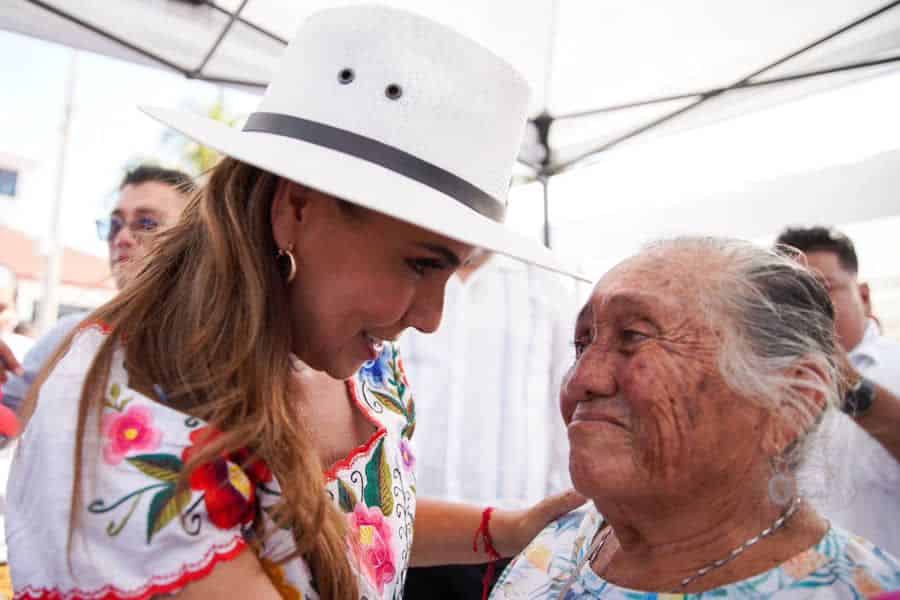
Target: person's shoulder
(47,343)
(85,344)
(551,557)
(844,558)
(66,324)
(873,567)
(567,535)
(16,388)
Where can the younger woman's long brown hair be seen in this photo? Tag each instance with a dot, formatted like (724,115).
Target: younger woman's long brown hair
(207,319)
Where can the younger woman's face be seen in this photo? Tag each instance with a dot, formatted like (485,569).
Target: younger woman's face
(362,277)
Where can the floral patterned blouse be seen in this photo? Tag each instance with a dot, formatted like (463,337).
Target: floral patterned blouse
(138,537)
(840,566)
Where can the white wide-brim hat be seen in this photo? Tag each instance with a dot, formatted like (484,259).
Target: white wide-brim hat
(395,113)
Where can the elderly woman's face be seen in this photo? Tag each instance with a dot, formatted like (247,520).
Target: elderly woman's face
(646,407)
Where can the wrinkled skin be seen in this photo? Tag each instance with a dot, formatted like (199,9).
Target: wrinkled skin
(676,460)
(648,413)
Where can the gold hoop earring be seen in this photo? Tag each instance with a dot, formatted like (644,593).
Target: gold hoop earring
(292,264)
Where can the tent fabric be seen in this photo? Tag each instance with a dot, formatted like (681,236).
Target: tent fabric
(814,83)
(605,71)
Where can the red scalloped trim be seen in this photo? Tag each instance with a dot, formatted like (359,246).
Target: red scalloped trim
(158,585)
(97,324)
(362,406)
(380,431)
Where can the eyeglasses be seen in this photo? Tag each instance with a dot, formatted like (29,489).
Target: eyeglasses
(109,228)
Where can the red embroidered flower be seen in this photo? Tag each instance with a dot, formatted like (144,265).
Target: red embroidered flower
(128,431)
(370,537)
(229,490)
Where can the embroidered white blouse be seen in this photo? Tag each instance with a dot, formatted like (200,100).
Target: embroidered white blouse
(138,538)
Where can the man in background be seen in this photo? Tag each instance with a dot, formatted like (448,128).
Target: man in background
(486,386)
(860,463)
(150,200)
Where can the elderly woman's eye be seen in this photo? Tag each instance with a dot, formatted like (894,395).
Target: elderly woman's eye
(580,344)
(633,336)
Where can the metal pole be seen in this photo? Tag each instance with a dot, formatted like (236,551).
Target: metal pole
(54,249)
(545,184)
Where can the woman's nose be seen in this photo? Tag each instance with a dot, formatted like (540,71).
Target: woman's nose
(427,309)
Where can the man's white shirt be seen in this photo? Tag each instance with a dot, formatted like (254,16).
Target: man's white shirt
(855,480)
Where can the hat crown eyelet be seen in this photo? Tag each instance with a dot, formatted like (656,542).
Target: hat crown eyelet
(346,76)
(393,91)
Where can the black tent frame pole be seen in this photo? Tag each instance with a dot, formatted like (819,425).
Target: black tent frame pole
(198,72)
(110,36)
(185,71)
(741,82)
(250,24)
(544,121)
(545,185)
(750,84)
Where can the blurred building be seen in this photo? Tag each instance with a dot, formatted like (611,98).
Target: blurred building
(85,281)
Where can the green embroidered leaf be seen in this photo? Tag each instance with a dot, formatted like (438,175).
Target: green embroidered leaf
(387,495)
(372,489)
(410,428)
(112,530)
(114,392)
(346,497)
(165,506)
(165,467)
(389,403)
(377,491)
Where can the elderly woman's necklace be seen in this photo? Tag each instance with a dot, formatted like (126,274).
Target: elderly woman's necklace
(600,540)
(778,524)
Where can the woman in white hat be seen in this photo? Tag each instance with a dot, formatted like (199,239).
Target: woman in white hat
(194,415)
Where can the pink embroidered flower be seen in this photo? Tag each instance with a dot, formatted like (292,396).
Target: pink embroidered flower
(370,537)
(129,431)
(406,453)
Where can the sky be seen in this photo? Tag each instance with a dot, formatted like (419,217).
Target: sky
(601,212)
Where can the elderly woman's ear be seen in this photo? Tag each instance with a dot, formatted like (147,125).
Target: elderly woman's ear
(808,387)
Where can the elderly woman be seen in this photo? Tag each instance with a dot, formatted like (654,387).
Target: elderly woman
(702,369)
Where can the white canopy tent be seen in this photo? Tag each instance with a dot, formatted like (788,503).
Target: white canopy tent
(604,72)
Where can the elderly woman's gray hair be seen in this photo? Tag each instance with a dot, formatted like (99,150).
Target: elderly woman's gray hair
(776,318)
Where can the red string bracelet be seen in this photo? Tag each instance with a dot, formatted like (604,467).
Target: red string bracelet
(484,531)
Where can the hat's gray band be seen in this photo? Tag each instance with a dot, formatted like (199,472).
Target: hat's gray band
(378,153)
